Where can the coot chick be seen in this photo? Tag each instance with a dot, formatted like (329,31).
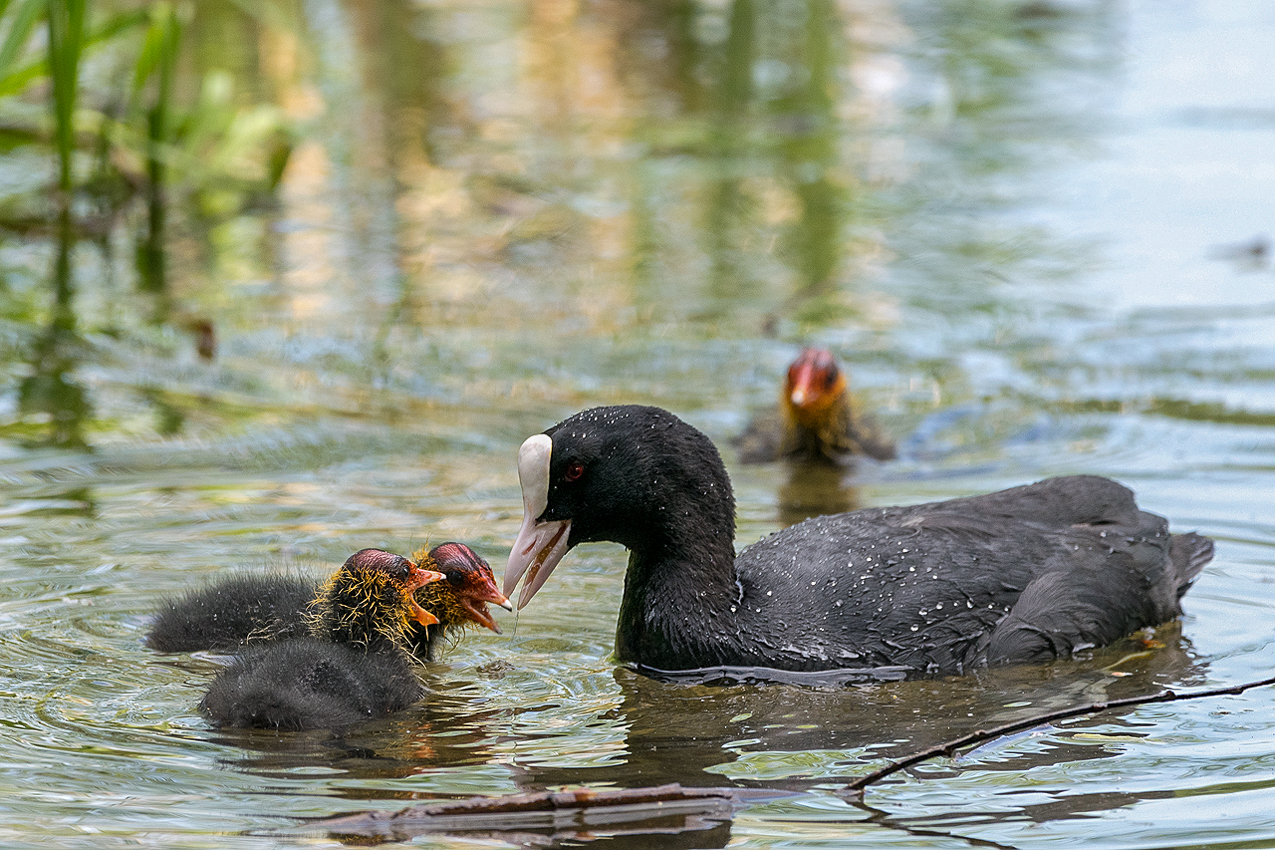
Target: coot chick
(459,600)
(306,683)
(226,616)
(370,602)
(244,610)
(1028,574)
(817,419)
(354,666)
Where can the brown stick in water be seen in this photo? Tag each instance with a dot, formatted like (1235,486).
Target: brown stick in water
(854,790)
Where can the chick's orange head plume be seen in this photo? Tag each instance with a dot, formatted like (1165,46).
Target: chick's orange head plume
(402,572)
(471,580)
(815,383)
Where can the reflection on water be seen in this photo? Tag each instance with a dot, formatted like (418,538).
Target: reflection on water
(50,393)
(494,215)
(813,489)
(445,732)
(797,737)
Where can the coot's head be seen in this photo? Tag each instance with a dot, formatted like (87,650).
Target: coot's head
(371,596)
(634,475)
(468,586)
(815,383)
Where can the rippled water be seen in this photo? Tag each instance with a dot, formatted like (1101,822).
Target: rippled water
(1039,263)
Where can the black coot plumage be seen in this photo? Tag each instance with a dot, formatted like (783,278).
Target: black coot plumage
(817,421)
(1028,574)
(354,666)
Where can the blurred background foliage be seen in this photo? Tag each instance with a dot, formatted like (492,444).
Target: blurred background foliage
(90,103)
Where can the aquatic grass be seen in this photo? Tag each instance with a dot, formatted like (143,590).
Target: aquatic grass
(111,146)
(144,142)
(157,61)
(66,46)
(18,29)
(51,389)
(24,61)
(21,60)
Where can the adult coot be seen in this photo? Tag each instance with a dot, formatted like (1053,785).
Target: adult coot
(243,610)
(817,419)
(354,666)
(1028,574)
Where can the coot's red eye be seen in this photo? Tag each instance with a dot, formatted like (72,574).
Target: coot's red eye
(574,470)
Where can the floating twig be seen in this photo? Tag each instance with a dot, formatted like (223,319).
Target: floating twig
(554,811)
(855,789)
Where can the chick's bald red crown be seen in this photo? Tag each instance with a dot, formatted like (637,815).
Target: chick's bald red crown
(814,379)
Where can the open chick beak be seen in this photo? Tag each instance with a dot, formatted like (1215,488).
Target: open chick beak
(475,603)
(472,583)
(540,544)
(416,579)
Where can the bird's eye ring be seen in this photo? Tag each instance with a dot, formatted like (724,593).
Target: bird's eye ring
(575,469)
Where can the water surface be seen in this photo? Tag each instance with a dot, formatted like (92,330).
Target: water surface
(1028,229)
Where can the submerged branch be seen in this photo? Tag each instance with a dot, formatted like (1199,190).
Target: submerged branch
(663,809)
(855,789)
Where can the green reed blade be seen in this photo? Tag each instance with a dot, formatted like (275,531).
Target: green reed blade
(24,20)
(19,78)
(66,43)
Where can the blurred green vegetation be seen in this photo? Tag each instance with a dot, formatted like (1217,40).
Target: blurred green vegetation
(112,150)
(767,172)
(123,133)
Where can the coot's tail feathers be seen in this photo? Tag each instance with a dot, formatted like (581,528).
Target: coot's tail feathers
(1189,553)
(1055,615)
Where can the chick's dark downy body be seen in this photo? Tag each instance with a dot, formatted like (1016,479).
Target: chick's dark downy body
(245,610)
(306,683)
(232,613)
(354,666)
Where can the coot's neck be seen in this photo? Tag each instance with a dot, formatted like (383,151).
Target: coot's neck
(680,590)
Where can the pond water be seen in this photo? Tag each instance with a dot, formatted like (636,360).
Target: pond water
(1035,232)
